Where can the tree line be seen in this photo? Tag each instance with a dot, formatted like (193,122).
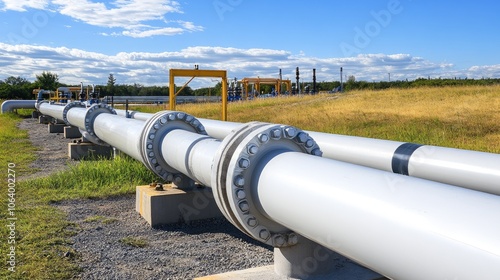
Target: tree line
(20,88)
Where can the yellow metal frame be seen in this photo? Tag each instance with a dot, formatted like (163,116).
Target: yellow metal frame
(269,81)
(197,73)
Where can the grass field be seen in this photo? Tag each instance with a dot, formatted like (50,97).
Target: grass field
(460,117)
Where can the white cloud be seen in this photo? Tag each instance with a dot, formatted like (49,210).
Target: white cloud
(486,71)
(22,5)
(74,65)
(134,18)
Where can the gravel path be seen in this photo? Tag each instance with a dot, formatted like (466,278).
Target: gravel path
(171,252)
(52,154)
(114,242)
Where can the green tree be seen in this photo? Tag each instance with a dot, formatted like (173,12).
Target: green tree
(15,88)
(47,80)
(110,88)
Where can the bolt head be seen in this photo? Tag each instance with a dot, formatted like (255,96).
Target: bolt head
(317,152)
(302,137)
(263,138)
(290,132)
(276,133)
(252,222)
(264,234)
(178,179)
(244,207)
(241,194)
(293,238)
(309,143)
(279,240)
(252,149)
(239,181)
(244,163)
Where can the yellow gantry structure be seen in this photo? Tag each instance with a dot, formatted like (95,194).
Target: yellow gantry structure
(193,73)
(269,81)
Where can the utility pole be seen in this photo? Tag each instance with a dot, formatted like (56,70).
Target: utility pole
(341,83)
(314,81)
(297,77)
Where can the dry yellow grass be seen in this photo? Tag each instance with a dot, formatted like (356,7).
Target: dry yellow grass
(461,117)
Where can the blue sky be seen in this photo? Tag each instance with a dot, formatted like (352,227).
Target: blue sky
(138,41)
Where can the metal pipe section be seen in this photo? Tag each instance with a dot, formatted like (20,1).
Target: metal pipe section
(76,116)
(121,133)
(401,227)
(190,153)
(55,111)
(446,165)
(10,105)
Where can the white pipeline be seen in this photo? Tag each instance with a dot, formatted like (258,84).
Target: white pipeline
(10,105)
(55,111)
(119,132)
(399,226)
(190,153)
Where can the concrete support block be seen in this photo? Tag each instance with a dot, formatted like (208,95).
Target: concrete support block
(56,128)
(35,114)
(310,260)
(72,132)
(174,205)
(306,260)
(78,151)
(44,119)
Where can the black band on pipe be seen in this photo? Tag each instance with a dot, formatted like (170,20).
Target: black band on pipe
(402,156)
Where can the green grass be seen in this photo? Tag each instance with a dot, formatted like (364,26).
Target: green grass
(42,231)
(100,219)
(134,242)
(92,179)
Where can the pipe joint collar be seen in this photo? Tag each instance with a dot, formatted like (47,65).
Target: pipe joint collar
(76,104)
(237,164)
(94,111)
(153,133)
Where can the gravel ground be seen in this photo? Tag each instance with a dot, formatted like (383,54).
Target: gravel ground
(171,252)
(52,154)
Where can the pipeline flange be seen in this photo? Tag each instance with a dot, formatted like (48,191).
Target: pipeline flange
(152,135)
(75,104)
(237,164)
(94,111)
